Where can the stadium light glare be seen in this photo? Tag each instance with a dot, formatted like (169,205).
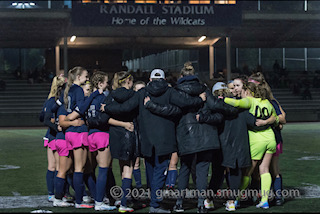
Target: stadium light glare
(73,38)
(32,4)
(202,38)
(14,4)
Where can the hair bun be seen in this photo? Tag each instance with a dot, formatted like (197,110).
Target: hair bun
(188,66)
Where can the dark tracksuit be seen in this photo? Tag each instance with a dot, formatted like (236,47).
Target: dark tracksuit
(196,140)
(157,132)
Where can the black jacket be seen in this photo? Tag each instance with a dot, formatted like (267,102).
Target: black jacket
(194,136)
(157,132)
(123,143)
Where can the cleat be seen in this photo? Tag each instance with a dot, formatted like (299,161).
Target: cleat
(117,203)
(60,203)
(123,209)
(68,198)
(178,208)
(99,206)
(87,199)
(106,200)
(83,206)
(237,204)
(230,206)
(50,198)
(158,210)
(208,204)
(264,205)
(279,202)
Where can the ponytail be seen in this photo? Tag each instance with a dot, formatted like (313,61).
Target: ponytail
(119,78)
(187,69)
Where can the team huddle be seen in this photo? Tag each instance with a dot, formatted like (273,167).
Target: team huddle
(235,128)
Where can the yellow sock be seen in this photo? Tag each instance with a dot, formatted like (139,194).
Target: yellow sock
(244,184)
(266,181)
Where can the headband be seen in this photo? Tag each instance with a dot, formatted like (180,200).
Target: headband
(253,81)
(120,81)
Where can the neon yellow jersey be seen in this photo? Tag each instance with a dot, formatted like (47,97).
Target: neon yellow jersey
(261,109)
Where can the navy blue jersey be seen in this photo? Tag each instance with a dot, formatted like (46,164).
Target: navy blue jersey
(61,111)
(51,134)
(276,130)
(94,113)
(75,99)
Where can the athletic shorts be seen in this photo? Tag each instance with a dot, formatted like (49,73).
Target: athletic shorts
(278,149)
(63,147)
(77,139)
(258,149)
(98,140)
(52,145)
(45,142)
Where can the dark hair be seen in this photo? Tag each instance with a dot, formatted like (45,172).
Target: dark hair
(187,69)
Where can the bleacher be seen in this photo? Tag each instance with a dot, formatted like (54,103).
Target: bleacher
(21,102)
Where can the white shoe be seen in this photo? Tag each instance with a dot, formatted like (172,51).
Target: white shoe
(50,198)
(123,209)
(106,200)
(117,203)
(102,206)
(208,204)
(60,203)
(230,206)
(87,199)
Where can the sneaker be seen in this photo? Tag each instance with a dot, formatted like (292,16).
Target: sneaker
(178,208)
(60,203)
(264,205)
(50,198)
(117,203)
(230,206)
(279,201)
(87,199)
(83,206)
(123,209)
(158,210)
(208,204)
(68,198)
(106,200)
(237,204)
(202,209)
(102,206)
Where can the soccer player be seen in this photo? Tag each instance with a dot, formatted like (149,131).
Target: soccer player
(262,143)
(49,140)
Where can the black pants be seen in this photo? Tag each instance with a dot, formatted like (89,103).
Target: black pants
(203,160)
(217,176)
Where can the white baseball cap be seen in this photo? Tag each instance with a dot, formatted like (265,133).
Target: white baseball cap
(157,74)
(218,86)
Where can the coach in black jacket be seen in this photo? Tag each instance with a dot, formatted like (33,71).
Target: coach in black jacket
(158,137)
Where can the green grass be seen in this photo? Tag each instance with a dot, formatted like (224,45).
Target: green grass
(24,148)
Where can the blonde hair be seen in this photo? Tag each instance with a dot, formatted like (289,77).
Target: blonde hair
(223,92)
(98,77)
(258,78)
(187,69)
(56,87)
(138,83)
(72,75)
(90,86)
(256,90)
(119,79)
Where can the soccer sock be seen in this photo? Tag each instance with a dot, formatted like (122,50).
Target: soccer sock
(50,182)
(111,182)
(126,183)
(137,177)
(59,187)
(172,177)
(91,184)
(266,181)
(277,187)
(244,184)
(101,183)
(70,180)
(78,186)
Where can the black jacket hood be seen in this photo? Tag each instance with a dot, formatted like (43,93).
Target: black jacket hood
(122,94)
(191,86)
(157,87)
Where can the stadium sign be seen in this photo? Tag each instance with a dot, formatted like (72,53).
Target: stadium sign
(99,14)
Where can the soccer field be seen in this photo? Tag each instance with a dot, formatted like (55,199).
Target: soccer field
(23,167)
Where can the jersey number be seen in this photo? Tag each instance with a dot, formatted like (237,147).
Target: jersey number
(261,113)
